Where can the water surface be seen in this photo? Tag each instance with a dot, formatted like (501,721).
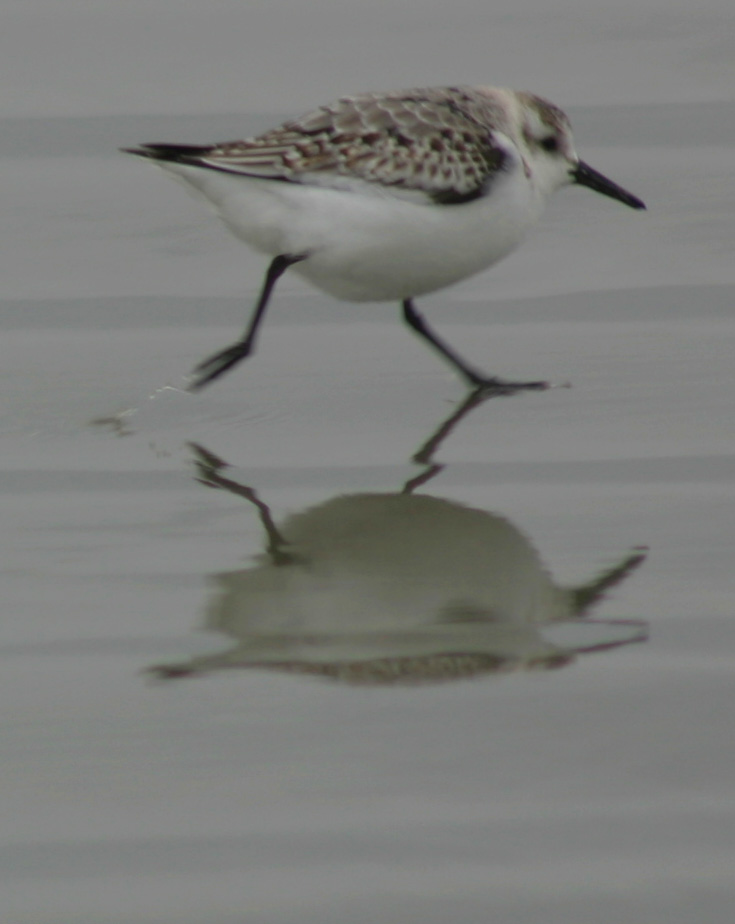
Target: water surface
(557,783)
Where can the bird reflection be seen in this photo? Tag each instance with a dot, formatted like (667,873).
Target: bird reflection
(398,588)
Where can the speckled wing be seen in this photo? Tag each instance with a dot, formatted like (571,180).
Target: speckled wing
(437,142)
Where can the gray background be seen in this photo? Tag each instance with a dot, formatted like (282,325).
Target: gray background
(600,793)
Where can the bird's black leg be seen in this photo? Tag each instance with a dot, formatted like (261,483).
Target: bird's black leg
(475,379)
(215,366)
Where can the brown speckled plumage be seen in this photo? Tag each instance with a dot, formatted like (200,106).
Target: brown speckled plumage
(437,140)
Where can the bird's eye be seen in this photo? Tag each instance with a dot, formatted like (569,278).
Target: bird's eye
(550,144)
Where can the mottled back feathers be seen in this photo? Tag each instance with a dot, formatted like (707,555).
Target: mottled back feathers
(437,141)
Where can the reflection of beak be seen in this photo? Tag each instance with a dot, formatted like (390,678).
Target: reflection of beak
(586,176)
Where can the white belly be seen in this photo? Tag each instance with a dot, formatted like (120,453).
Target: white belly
(366,246)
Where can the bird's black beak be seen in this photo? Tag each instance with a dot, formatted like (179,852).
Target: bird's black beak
(586,176)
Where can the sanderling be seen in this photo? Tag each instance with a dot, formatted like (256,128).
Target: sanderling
(387,196)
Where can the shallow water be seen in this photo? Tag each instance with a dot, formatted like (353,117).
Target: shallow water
(600,790)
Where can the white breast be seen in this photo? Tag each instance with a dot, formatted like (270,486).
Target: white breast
(365,242)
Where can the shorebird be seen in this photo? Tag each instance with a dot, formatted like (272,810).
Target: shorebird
(388,196)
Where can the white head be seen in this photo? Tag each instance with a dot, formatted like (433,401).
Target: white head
(543,134)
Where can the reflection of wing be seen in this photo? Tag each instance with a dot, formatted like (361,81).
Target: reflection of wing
(439,142)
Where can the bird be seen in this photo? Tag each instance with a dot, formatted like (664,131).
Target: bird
(388,196)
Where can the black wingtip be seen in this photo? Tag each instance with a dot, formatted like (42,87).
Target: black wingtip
(178,153)
(141,152)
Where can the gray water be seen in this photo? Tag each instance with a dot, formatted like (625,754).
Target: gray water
(599,791)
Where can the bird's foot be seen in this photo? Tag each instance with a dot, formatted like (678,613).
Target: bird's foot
(216,365)
(491,386)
